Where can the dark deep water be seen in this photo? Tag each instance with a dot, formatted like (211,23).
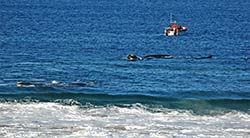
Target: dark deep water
(87,41)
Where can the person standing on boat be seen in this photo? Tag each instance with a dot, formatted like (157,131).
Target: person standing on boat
(175,28)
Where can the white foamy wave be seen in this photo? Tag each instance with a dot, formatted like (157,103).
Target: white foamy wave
(55,120)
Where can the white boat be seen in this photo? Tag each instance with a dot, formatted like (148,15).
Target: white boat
(174,28)
(169,32)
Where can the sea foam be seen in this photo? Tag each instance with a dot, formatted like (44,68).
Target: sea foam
(56,120)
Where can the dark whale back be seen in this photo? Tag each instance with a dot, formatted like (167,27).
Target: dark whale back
(132,57)
(203,57)
(157,56)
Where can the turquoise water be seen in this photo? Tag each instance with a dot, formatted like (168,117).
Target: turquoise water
(88,41)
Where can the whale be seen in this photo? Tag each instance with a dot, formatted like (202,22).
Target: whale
(133,57)
(157,56)
(51,84)
(25,84)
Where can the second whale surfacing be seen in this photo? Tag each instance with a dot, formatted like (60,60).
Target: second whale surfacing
(50,84)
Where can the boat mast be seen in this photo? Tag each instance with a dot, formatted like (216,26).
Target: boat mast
(171,19)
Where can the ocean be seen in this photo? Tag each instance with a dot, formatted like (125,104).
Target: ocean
(72,53)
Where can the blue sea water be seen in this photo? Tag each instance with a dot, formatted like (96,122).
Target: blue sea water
(87,41)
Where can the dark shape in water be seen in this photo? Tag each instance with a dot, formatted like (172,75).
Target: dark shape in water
(133,57)
(27,84)
(77,84)
(53,83)
(157,56)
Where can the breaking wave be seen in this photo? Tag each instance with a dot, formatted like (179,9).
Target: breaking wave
(34,119)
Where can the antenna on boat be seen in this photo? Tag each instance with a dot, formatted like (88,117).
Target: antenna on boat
(171,19)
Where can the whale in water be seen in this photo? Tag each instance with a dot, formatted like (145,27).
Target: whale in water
(133,57)
(53,83)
